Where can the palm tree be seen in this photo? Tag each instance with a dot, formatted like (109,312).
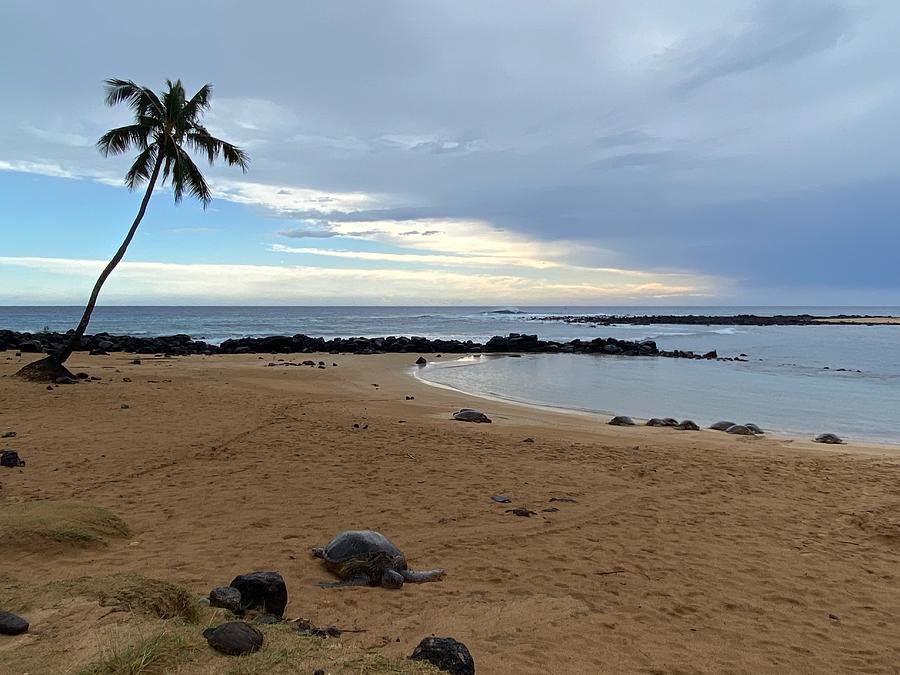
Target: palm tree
(164,126)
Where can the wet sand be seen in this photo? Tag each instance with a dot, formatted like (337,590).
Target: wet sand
(682,552)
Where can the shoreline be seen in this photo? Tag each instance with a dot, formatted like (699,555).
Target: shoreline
(875,445)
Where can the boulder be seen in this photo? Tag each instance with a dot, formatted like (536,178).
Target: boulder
(621,421)
(31,347)
(12,624)
(226,597)
(421,361)
(234,638)
(264,591)
(447,654)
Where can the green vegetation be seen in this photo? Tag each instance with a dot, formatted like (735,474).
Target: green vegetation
(159,631)
(58,521)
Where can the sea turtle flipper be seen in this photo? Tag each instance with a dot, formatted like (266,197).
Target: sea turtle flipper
(359,580)
(422,577)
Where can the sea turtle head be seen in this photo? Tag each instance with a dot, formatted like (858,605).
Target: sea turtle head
(392,579)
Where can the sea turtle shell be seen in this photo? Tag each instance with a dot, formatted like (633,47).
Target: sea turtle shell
(470,415)
(721,426)
(357,552)
(829,438)
(621,421)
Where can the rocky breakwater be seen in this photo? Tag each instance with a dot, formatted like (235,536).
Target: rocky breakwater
(184,345)
(101,343)
(713,320)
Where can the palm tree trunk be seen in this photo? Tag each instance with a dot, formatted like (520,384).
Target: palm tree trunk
(51,367)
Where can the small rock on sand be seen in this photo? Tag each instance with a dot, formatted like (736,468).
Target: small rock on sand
(264,591)
(10,459)
(12,624)
(226,597)
(447,654)
(234,638)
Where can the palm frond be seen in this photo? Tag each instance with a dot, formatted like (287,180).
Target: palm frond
(187,177)
(140,99)
(142,168)
(198,104)
(212,147)
(116,141)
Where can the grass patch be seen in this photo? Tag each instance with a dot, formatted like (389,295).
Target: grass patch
(160,652)
(60,522)
(134,593)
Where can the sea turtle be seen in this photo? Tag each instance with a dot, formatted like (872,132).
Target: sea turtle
(470,415)
(721,426)
(670,421)
(621,421)
(829,438)
(688,425)
(754,428)
(739,429)
(368,558)
(656,422)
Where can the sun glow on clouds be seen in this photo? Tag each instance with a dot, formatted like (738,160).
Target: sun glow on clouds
(68,279)
(421,261)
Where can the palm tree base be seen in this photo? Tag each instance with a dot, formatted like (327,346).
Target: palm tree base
(47,369)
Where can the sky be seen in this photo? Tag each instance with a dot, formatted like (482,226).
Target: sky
(511,153)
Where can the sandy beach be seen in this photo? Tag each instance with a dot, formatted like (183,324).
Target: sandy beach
(679,552)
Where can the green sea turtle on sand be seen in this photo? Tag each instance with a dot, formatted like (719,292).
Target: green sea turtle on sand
(740,430)
(368,558)
(829,438)
(621,421)
(470,415)
(721,426)
(688,425)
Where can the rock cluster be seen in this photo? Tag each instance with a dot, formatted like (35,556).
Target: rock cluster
(712,320)
(183,345)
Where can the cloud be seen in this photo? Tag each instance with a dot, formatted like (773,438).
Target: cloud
(778,32)
(65,280)
(641,136)
(42,168)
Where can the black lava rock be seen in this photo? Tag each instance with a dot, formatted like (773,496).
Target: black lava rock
(264,591)
(226,597)
(12,624)
(234,638)
(10,459)
(445,653)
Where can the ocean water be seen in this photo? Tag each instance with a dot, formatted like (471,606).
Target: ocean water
(798,379)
